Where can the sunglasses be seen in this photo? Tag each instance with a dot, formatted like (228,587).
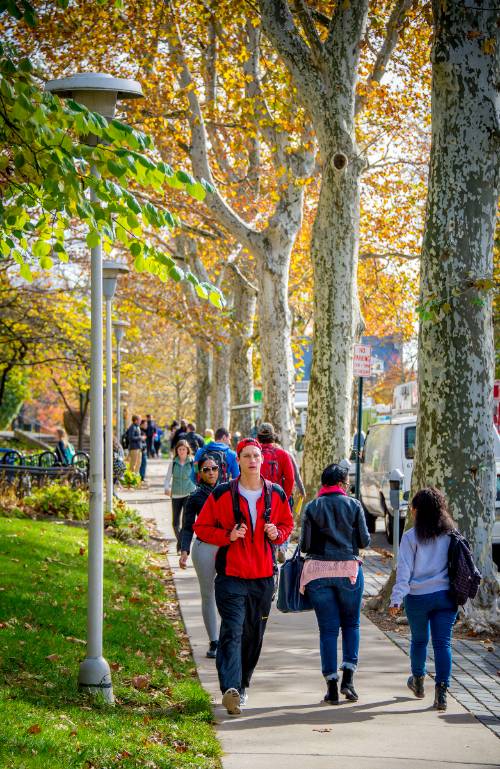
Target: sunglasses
(212,469)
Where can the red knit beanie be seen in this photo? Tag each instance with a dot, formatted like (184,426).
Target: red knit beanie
(247,442)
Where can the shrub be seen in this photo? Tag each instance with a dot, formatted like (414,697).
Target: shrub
(125,522)
(130,479)
(59,500)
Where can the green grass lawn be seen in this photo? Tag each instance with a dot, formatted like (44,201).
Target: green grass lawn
(162,717)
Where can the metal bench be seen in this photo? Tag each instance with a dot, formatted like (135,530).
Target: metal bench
(24,471)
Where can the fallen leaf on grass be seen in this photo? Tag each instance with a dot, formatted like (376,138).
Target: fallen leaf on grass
(180,747)
(115,666)
(35,729)
(74,640)
(140,682)
(53,657)
(82,551)
(159,662)
(322,730)
(123,754)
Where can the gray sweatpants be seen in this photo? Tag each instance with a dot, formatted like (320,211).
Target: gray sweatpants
(203,556)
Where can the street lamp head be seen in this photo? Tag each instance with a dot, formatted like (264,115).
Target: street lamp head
(110,272)
(96,90)
(119,327)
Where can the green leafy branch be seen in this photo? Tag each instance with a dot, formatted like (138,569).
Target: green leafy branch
(51,152)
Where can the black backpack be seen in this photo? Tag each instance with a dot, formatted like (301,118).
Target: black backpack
(219,457)
(124,439)
(464,575)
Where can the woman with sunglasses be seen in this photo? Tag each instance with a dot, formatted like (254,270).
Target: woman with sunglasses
(202,553)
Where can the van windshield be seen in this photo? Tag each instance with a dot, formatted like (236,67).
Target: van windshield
(410,434)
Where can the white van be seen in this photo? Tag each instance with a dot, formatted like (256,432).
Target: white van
(388,445)
(391,445)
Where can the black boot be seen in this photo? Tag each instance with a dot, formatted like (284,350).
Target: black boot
(416,684)
(332,695)
(212,650)
(347,685)
(440,702)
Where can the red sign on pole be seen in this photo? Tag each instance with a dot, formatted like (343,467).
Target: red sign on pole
(362,363)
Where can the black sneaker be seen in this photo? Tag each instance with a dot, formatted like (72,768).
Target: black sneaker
(416,685)
(440,702)
(332,695)
(212,650)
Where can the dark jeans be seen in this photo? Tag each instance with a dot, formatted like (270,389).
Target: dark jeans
(435,612)
(144,464)
(178,505)
(149,447)
(157,447)
(337,604)
(244,606)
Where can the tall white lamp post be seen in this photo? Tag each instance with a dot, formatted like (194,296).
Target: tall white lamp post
(98,92)
(110,273)
(119,327)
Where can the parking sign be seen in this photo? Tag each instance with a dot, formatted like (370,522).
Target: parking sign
(362,364)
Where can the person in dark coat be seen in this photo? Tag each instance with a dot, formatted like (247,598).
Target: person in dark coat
(333,530)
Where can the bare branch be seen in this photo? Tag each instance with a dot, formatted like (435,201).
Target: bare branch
(243,279)
(389,255)
(393,31)
(310,31)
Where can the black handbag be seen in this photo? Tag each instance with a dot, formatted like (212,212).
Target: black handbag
(290,599)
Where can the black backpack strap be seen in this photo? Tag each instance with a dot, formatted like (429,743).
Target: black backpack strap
(233,485)
(268,495)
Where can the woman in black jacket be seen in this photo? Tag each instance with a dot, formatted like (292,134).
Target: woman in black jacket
(333,530)
(203,554)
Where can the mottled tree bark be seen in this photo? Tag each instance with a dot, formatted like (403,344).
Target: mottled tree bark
(220,398)
(203,387)
(241,354)
(325,75)
(456,362)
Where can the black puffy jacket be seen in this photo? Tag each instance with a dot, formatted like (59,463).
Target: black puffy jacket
(333,528)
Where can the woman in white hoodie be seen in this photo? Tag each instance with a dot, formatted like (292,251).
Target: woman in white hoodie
(423,585)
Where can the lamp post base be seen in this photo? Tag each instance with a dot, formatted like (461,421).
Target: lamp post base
(95,677)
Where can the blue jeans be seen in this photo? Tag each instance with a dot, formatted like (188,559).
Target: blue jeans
(337,604)
(435,612)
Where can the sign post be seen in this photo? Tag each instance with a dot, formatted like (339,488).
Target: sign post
(362,367)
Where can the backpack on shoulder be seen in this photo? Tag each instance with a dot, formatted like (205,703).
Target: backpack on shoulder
(124,439)
(464,575)
(270,464)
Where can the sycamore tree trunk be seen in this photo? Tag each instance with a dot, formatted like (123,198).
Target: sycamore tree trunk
(241,354)
(324,72)
(203,387)
(334,253)
(220,398)
(456,359)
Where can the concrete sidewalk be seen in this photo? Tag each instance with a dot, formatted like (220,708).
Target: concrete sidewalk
(284,719)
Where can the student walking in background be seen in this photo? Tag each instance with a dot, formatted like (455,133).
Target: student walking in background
(178,485)
(245,519)
(134,443)
(333,530)
(423,586)
(202,553)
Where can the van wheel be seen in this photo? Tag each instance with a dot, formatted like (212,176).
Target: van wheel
(389,527)
(369,518)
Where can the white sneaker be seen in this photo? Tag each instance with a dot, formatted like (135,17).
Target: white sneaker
(243,698)
(231,701)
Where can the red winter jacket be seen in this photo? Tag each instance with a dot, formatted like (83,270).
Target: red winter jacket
(277,467)
(252,556)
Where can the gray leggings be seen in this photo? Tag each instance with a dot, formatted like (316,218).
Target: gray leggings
(203,556)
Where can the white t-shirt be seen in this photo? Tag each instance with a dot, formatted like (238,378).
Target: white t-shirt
(251,497)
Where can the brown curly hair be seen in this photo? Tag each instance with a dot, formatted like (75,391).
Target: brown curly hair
(432,517)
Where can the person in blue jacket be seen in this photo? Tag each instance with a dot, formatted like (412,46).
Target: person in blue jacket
(221,447)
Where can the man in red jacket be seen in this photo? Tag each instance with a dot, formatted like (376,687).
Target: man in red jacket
(245,518)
